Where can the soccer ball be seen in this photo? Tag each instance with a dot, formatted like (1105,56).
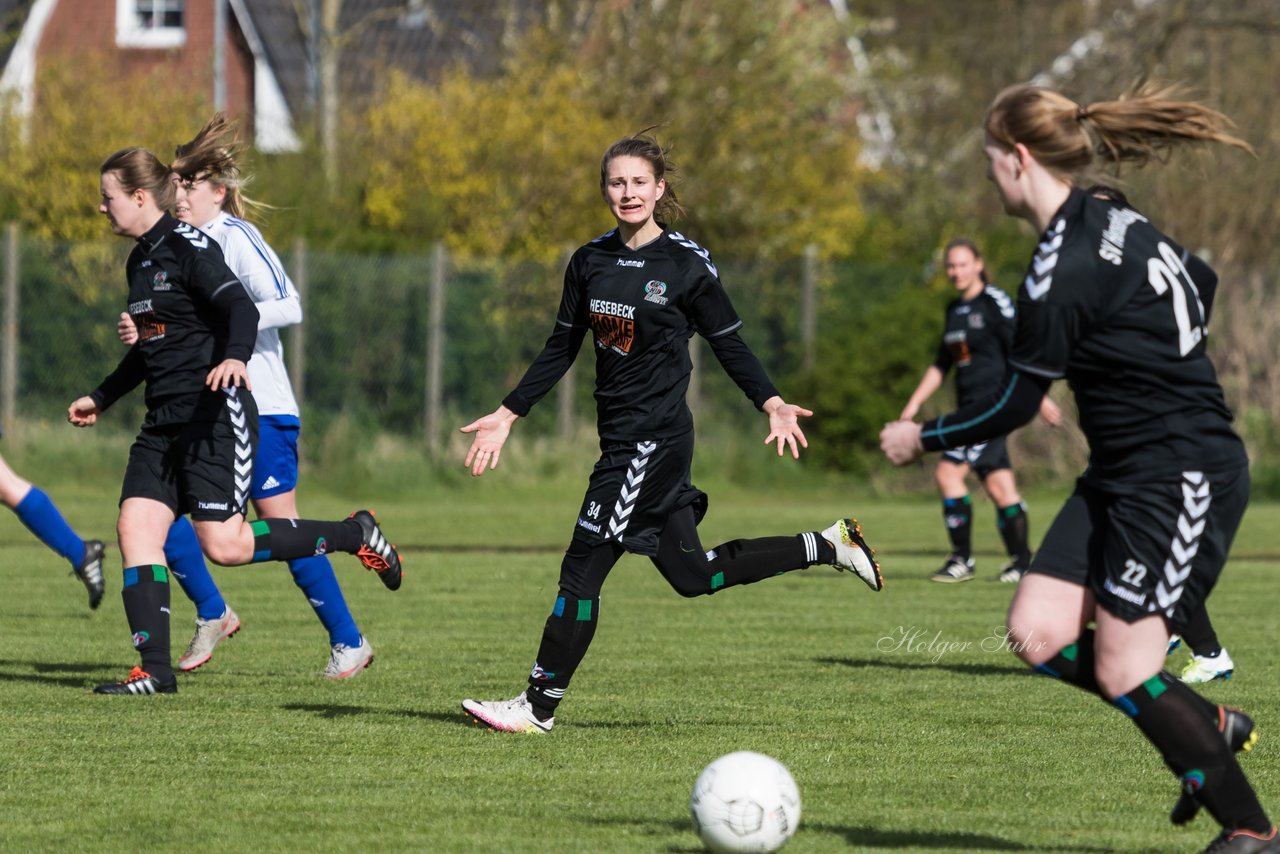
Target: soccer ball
(745,802)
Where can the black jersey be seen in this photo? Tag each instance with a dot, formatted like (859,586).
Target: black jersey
(976,341)
(1109,304)
(191,313)
(642,306)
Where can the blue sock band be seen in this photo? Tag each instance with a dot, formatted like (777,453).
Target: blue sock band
(186,562)
(38,512)
(315,577)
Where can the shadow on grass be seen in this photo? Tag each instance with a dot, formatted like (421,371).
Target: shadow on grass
(869,837)
(45,672)
(330,711)
(902,664)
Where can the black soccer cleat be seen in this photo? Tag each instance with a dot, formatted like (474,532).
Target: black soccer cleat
(140,682)
(1241,735)
(90,571)
(1241,841)
(376,551)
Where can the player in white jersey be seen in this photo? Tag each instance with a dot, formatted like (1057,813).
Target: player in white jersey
(209,196)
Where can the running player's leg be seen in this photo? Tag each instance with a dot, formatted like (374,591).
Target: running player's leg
(186,562)
(692,570)
(957,514)
(37,511)
(566,636)
(1011,512)
(142,528)
(274,495)
(216,467)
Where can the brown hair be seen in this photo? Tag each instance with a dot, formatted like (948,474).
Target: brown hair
(966,243)
(1066,137)
(644,146)
(214,153)
(139,169)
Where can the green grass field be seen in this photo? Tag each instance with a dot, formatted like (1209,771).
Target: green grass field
(943,743)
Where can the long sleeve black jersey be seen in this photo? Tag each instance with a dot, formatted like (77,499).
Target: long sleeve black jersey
(191,312)
(976,341)
(642,306)
(1118,309)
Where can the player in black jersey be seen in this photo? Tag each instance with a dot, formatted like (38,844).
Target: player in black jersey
(1110,305)
(976,339)
(643,290)
(1210,661)
(196,330)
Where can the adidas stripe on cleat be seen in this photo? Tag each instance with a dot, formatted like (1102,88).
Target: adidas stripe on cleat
(376,552)
(139,683)
(90,571)
(852,552)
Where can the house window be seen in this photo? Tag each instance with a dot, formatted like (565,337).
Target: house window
(151,23)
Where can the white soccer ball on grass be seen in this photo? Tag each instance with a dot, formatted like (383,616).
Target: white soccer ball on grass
(745,802)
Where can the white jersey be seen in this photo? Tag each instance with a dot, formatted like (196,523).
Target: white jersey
(258,267)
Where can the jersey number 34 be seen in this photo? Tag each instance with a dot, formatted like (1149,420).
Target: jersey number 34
(1167,273)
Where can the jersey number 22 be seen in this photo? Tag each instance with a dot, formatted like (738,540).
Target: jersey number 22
(1167,273)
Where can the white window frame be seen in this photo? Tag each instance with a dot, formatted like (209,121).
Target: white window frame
(129,34)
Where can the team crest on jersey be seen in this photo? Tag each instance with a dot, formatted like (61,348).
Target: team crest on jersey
(977,321)
(160,281)
(655,291)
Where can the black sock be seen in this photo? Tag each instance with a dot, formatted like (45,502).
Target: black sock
(290,539)
(1172,718)
(1012,524)
(748,561)
(565,639)
(958,514)
(1074,664)
(1199,633)
(146,606)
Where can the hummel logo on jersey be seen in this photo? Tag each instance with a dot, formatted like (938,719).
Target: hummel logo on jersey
(160,282)
(271,482)
(211,505)
(198,238)
(1040,276)
(630,262)
(653,292)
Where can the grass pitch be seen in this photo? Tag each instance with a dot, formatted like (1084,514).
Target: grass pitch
(905,723)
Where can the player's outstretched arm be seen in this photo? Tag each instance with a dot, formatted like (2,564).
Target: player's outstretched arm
(491,434)
(784,425)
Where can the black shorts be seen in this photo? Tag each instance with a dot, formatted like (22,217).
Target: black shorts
(634,489)
(991,455)
(1154,548)
(203,467)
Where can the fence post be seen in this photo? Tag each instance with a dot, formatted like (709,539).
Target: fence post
(435,349)
(297,349)
(9,355)
(809,307)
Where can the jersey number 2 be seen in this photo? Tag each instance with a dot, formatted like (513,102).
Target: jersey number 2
(1167,273)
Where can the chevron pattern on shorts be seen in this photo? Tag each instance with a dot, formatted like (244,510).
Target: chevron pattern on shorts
(244,448)
(1186,542)
(630,491)
(1040,276)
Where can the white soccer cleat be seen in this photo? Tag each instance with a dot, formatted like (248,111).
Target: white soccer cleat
(1202,668)
(347,661)
(514,715)
(209,633)
(852,552)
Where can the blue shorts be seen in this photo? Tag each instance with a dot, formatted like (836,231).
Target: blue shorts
(275,467)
